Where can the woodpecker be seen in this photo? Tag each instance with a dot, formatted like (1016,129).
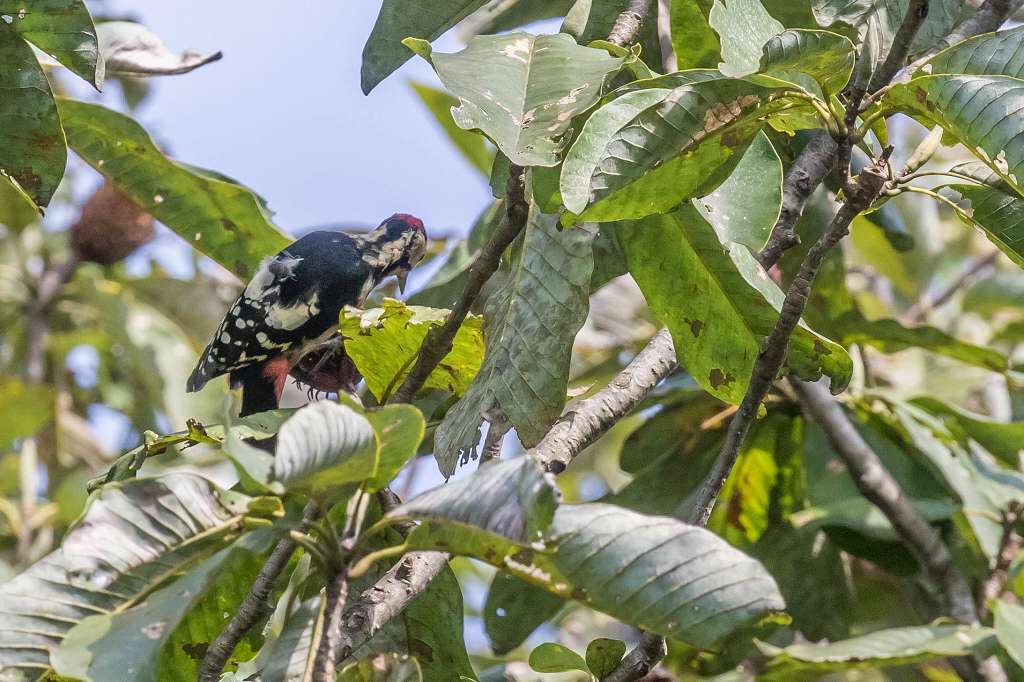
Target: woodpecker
(292,304)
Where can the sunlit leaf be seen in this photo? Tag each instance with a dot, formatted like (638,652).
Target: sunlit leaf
(399,429)
(523,90)
(23,410)
(530,323)
(603,656)
(401,19)
(62,29)
(224,220)
(32,149)
(718,304)
(744,27)
(694,42)
(132,538)
(131,49)
(384,342)
(895,646)
(555,658)
(823,58)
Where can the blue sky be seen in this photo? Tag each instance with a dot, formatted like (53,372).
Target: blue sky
(283,113)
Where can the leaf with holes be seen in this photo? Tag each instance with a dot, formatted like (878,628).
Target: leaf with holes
(979,111)
(530,323)
(220,218)
(323,445)
(132,538)
(523,91)
(384,342)
(895,646)
(32,148)
(718,304)
(819,61)
(661,142)
(131,49)
(62,29)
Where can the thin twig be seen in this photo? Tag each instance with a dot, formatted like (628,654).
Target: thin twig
(439,340)
(629,22)
(1009,547)
(917,12)
(254,606)
(327,651)
(917,312)
(499,426)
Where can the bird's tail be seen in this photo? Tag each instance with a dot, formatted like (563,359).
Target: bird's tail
(261,384)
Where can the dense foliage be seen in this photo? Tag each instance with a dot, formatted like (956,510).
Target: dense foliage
(694,166)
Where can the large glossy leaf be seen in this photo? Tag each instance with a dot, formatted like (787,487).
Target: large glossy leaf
(651,148)
(744,27)
(399,429)
(222,219)
(979,111)
(401,19)
(744,208)
(131,49)
(805,57)
(108,646)
(514,609)
(1010,629)
(889,336)
(877,21)
(718,304)
(694,42)
(470,145)
(383,343)
(999,214)
(1005,440)
(530,323)
(61,28)
(32,149)
(522,91)
(993,54)
(895,646)
(325,444)
(132,538)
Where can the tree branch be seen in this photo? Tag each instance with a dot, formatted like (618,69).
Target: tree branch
(989,17)
(439,340)
(917,12)
(640,661)
(254,606)
(591,417)
(917,311)
(773,351)
(327,655)
(876,484)
(1009,546)
(628,24)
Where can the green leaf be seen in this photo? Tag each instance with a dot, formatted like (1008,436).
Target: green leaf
(325,444)
(862,516)
(132,538)
(32,149)
(999,214)
(16,208)
(512,500)
(819,59)
(603,656)
(471,145)
(889,336)
(514,609)
(131,49)
(62,29)
(399,429)
(292,651)
(512,14)
(24,409)
(992,54)
(384,342)
(382,668)
(555,658)
(522,91)
(530,323)
(659,143)
(109,646)
(592,20)
(694,42)
(222,219)
(400,19)
(744,27)
(877,21)
(895,646)
(746,206)
(1009,622)
(1004,440)
(977,111)
(718,304)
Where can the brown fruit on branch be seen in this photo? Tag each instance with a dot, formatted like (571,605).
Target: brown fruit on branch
(111,226)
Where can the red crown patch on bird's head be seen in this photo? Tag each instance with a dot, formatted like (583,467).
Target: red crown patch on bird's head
(411,221)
